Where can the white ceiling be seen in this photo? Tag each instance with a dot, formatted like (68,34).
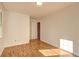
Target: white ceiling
(33,10)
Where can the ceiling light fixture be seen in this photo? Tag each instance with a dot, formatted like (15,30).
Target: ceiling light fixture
(39,3)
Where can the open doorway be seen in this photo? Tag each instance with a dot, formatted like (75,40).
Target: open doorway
(38,30)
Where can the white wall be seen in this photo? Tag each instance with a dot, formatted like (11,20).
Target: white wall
(34,28)
(1,40)
(63,24)
(16,28)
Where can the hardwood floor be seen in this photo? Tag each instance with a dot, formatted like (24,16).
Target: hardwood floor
(35,48)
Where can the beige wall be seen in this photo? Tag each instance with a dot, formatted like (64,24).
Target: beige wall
(63,24)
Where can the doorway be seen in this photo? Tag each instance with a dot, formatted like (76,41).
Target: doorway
(38,30)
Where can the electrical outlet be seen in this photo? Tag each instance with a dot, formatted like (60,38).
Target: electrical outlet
(15,40)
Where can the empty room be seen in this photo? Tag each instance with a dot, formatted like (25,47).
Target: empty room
(39,29)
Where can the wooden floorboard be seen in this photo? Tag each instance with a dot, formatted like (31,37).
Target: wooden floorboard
(35,48)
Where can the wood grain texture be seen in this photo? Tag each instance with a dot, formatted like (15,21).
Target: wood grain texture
(35,48)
